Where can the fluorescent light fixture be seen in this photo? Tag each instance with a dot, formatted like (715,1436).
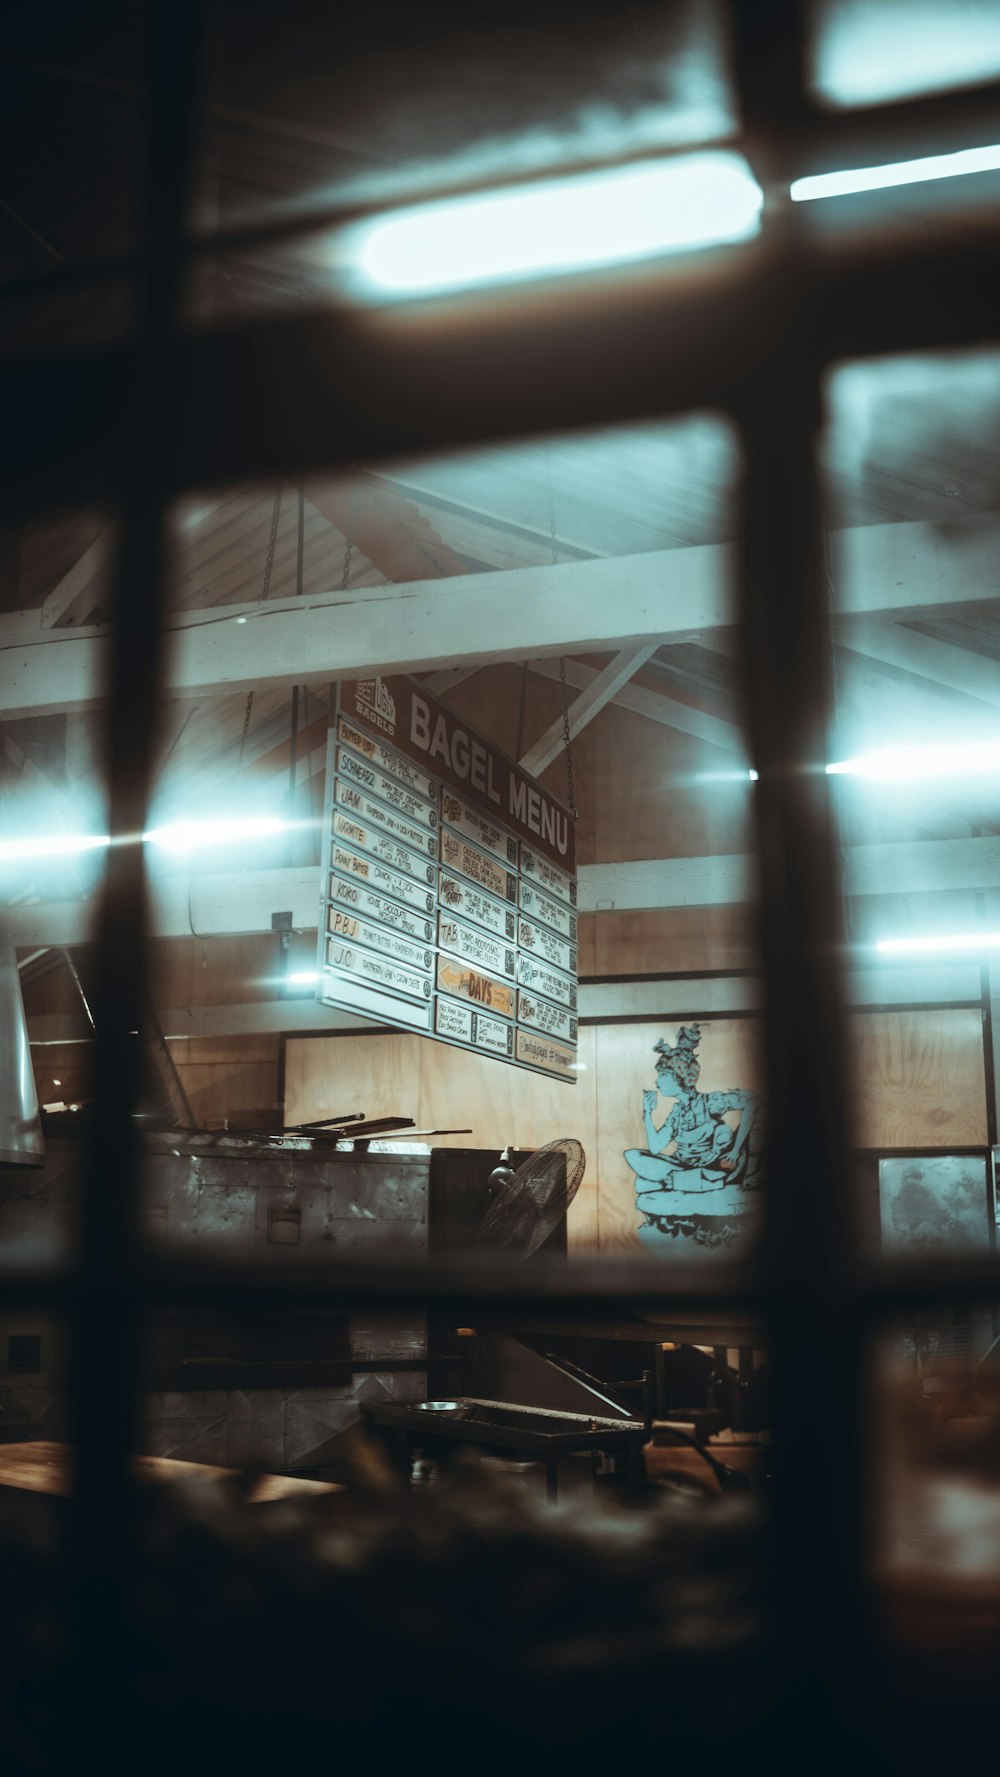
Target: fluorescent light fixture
(899,172)
(915,764)
(956,941)
(616,217)
(184,836)
(54,845)
(302,978)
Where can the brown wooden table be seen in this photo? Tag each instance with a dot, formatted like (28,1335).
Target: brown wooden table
(48,1468)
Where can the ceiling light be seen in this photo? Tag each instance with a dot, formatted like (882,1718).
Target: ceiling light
(899,172)
(914,764)
(55,845)
(615,217)
(956,941)
(189,835)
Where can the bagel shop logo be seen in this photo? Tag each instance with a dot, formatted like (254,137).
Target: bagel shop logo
(435,738)
(374,700)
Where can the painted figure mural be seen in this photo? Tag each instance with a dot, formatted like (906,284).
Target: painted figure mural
(695,1178)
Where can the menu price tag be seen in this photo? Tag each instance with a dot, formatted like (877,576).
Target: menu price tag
(349,960)
(477,1030)
(381,846)
(344,925)
(539,978)
(361,807)
(549,912)
(553,1021)
(541,1052)
(458,897)
(475,826)
(539,941)
(546,876)
(468,861)
(475,947)
(469,984)
(387,759)
(357,771)
(351,870)
(372,906)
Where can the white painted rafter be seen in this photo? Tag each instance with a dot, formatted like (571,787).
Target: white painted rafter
(473,620)
(602,688)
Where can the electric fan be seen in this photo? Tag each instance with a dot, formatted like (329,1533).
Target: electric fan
(530,1202)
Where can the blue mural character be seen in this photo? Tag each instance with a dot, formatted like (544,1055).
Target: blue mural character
(696,1170)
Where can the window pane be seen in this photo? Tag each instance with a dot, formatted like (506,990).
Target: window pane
(912,489)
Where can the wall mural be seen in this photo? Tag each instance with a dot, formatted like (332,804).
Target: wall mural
(696,1177)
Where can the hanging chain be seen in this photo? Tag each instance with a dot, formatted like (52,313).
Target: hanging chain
(568,745)
(345,574)
(268,571)
(567,737)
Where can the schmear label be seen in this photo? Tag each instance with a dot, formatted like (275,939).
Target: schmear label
(350,960)
(355,803)
(352,898)
(539,941)
(358,771)
(552,913)
(546,876)
(382,846)
(379,878)
(539,978)
(387,759)
(344,925)
(551,1020)
(468,861)
(475,947)
(459,897)
(461,1024)
(465,983)
(475,826)
(542,1052)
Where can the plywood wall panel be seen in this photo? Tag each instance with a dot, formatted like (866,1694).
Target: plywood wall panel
(441,1087)
(672,941)
(918,1079)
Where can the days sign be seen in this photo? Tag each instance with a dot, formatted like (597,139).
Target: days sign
(449,882)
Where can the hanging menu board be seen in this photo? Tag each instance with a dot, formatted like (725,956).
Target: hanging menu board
(449,897)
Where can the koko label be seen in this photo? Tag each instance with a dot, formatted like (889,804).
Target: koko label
(550,982)
(351,961)
(553,1021)
(539,941)
(543,1053)
(357,805)
(469,984)
(553,881)
(461,1024)
(552,913)
(475,826)
(348,895)
(357,771)
(342,924)
(399,857)
(457,855)
(387,759)
(476,947)
(458,897)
